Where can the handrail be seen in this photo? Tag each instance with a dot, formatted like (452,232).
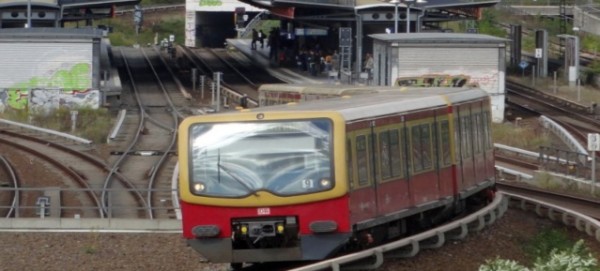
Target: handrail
(47,131)
(454,230)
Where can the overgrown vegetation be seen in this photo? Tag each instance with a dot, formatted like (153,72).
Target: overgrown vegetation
(550,250)
(519,136)
(92,124)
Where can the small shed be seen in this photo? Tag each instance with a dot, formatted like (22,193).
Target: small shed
(442,59)
(50,67)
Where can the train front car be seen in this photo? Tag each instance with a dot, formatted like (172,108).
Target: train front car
(256,187)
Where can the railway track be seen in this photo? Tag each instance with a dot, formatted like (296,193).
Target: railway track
(81,170)
(147,157)
(578,119)
(238,74)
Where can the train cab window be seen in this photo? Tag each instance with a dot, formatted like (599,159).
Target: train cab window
(281,156)
(465,129)
(477,133)
(390,154)
(445,153)
(362,160)
(421,147)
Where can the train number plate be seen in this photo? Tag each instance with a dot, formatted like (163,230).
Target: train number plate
(263,211)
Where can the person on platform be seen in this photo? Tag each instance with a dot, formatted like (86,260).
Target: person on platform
(254,39)
(261,39)
(244,101)
(369,64)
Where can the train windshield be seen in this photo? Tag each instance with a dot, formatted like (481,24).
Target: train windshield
(283,157)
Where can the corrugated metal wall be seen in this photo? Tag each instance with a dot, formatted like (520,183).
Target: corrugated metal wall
(30,64)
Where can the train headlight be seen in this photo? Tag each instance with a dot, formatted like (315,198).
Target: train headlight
(199,187)
(280,228)
(325,183)
(244,229)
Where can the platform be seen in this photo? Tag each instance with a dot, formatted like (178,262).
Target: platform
(288,75)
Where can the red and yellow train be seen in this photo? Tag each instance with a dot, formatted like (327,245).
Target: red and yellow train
(306,181)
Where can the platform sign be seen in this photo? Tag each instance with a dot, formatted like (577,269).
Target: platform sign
(523,65)
(593,142)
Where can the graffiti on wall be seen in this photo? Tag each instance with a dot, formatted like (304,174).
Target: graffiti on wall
(435,80)
(77,76)
(67,87)
(45,100)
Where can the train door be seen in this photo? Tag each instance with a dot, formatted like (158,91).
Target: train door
(478,149)
(444,157)
(363,203)
(423,179)
(487,140)
(392,190)
(465,138)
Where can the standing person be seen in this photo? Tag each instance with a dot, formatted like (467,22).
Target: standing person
(261,39)
(328,63)
(335,61)
(244,101)
(369,64)
(254,39)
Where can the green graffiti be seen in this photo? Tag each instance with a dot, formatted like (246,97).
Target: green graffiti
(17,98)
(78,77)
(205,3)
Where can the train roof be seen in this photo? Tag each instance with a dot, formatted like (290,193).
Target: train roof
(323,89)
(383,103)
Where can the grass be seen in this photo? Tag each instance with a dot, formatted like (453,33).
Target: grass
(522,137)
(92,124)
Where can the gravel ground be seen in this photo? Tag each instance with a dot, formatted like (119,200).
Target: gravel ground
(112,251)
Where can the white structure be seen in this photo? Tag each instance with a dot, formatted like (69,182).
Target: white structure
(442,59)
(210,22)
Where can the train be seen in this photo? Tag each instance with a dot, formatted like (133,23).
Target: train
(307,181)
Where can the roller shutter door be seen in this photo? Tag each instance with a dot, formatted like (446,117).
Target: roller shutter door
(46,65)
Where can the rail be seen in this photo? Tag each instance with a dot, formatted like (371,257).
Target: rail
(520,175)
(47,131)
(115,130)
(531,154)
(409,247)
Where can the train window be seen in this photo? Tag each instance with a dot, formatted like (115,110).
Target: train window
(349,162)
(477,132)
(384,155)
(396,154)
(457,140)
(362,160)
(390,154)
(466,137)
(421,147)
(445,143)
(486,130)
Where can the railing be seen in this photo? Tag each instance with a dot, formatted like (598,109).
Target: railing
(46,131)
(79,205)
(410,246)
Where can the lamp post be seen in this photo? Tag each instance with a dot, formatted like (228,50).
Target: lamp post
(395,2)
(408,4)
